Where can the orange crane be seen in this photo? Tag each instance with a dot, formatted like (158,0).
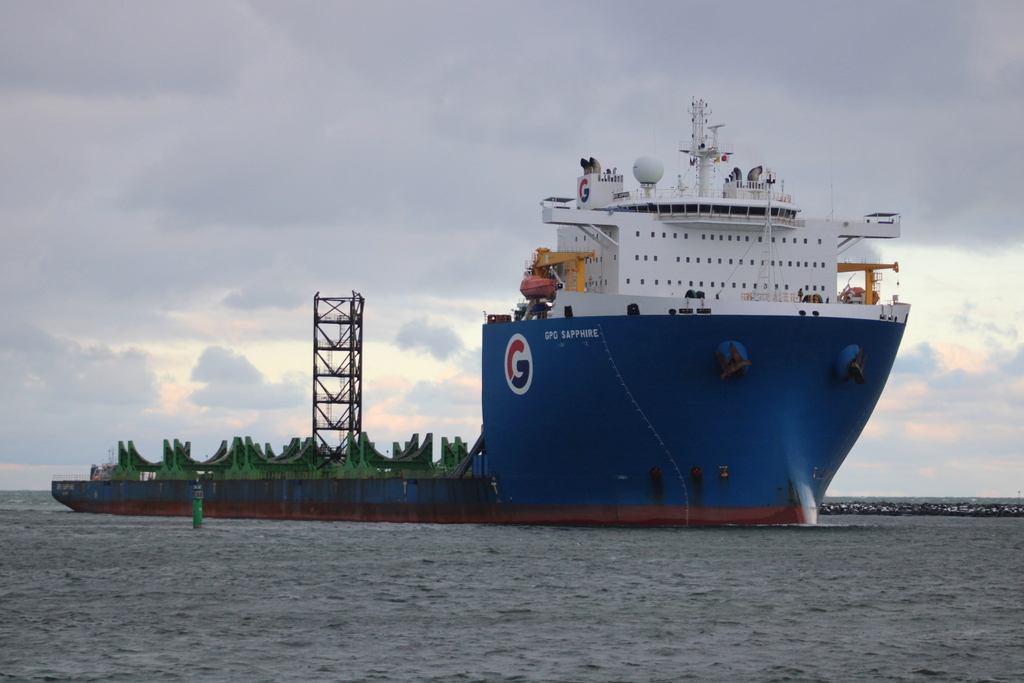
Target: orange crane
(872,279)
(573,266)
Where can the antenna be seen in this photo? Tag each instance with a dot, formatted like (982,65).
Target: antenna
(831,192)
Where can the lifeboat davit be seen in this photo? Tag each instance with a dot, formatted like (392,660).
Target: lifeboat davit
(536,287)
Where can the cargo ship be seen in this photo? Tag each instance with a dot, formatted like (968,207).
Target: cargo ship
(681,358)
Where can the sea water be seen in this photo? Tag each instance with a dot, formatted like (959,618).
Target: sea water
(87,597)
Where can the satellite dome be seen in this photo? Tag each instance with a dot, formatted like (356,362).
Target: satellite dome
(648,170)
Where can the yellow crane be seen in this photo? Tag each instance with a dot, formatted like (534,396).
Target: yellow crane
(872,279)
(573,266)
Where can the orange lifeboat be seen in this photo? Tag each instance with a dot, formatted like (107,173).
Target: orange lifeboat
(536,287)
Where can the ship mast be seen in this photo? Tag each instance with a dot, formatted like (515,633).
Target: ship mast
(703,153)
(765,287)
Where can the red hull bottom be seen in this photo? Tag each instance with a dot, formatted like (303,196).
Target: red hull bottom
(558,515)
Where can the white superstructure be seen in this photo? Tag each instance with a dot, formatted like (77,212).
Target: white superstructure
(742,242)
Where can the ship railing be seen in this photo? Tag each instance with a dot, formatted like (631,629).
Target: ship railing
(70,477)
(727,219)
(676,193)
(785,297)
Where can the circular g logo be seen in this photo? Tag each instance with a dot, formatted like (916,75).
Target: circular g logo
(518,364)
(584,190)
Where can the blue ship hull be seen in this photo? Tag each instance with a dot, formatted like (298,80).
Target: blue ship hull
(629,414)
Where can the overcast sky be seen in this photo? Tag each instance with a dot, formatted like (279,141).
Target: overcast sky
(177,180)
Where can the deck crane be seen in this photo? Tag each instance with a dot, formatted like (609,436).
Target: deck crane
(573,266)
(872,278)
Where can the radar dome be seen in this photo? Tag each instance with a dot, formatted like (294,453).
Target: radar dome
(648,170)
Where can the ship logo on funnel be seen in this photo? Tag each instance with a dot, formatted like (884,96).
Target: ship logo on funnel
(518,364)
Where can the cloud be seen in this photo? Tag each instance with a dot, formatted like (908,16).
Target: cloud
(947,421)
(233,382)
(40,368)
(439,398)
(269,292)
(221,365)
(422,335)
(921,360)
(121,48)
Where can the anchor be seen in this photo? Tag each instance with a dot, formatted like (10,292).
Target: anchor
(734,365)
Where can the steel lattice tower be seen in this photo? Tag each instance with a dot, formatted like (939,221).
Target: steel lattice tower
(337,372)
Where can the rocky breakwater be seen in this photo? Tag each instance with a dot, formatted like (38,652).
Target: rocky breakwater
(929,509)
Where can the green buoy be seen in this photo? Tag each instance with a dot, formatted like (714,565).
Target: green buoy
(197,506)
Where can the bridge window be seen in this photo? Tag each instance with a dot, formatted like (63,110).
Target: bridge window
(652,234)
(687,259)
(719,260)
(805,240)
(637,233)
(645,257)
(677,259)
(627,280)
(655,282)
(655,257)
(638,257)
(730,262)
(641,280)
